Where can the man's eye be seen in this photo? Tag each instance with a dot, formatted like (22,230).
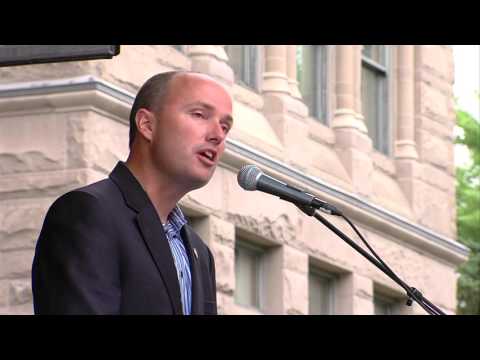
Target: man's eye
(226,128)
(198,114)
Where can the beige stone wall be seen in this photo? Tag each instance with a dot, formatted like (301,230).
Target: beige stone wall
(56,138)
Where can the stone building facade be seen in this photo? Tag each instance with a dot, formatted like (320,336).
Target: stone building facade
(65,125)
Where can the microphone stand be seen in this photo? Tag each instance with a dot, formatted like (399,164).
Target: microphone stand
(413,294)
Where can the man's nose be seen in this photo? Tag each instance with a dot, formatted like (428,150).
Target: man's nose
(216,133)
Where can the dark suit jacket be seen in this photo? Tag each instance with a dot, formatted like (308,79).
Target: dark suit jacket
(103,250)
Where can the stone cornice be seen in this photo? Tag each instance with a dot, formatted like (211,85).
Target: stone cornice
(84,92)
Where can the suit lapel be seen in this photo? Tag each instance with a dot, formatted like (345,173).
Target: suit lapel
(157,243)
(197,288)
(151,229)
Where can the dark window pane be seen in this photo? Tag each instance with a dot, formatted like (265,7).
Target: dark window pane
(312,78)
(382,306)
(244,61)
(375,98)
(307,76)
(320,292)
(247,275)
(322,81)
(369,101)
(178,47)
(376,53)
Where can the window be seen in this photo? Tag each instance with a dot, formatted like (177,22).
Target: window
(248,274)
(244,62)
(320,292)
(375,103)
(382,305)
(180,48)
(312,78)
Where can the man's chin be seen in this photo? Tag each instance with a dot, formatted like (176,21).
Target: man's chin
(198,182)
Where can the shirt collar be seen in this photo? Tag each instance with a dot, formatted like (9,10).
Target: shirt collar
(176,219)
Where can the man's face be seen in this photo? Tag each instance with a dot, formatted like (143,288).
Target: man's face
(189,130)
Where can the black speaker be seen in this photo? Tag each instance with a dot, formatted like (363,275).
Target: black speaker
(11,55)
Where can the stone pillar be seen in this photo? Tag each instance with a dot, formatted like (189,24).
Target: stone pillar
(292,71)
(357,49)
(275,76)
(346,79)
(286,114)
(405,147)
(220,237)
(351,139)
(408,169)
(295,281)
(431,189)
(211,60)
(354,294)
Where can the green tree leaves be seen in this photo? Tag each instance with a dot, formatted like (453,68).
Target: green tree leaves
(468,216)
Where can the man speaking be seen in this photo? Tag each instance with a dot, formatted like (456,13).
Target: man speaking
(122,245)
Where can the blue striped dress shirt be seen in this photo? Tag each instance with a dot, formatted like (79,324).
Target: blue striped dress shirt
(172,228)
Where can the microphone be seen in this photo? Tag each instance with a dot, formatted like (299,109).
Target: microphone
(251,178)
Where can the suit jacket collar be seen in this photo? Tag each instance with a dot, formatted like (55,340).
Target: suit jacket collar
(152,231)
(132,191)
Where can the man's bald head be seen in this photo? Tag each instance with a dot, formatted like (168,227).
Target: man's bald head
(153,94)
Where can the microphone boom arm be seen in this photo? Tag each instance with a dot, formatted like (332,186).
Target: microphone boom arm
(413,294)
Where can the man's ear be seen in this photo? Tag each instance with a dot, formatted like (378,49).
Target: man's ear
(144,120)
